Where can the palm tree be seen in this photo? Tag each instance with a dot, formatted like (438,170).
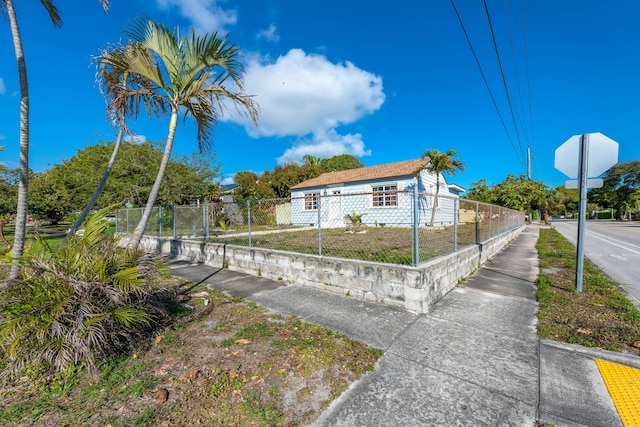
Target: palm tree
(438,164)
(311,160)
(185,74)
(127,102)
(23,182)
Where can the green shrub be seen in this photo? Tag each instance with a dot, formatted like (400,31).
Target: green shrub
(77,303)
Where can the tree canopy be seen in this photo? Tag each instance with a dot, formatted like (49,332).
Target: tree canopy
(519,193)
(340,163)
(620,190)
(67,186)
(278,183)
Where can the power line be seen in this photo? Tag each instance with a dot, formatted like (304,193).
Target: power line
(521,116)
(504,79)
(526,62)
(484,78)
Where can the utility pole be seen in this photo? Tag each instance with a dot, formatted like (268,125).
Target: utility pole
(529,162)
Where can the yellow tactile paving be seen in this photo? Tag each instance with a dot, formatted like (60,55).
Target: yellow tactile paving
(623,384)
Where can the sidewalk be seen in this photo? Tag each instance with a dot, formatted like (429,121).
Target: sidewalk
(474,360)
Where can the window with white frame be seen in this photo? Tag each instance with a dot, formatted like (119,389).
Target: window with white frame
(311,201)
(384,195)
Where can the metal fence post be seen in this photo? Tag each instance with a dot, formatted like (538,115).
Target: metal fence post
(477,223)
(175,225)
(490,219)
(455,224)
(205,215)
(416,225)
(249,220)
(319,226)
(194,231)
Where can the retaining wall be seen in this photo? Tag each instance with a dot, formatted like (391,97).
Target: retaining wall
(411,288)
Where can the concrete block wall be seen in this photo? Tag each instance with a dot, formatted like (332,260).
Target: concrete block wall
(412,288)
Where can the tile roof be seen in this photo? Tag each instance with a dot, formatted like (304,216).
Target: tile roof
(390,170)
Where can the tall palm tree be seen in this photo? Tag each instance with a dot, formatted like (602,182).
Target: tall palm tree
(438,164)
(121,102)
(191,75)
(23,182)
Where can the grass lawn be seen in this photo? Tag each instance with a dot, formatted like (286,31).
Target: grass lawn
(600,316)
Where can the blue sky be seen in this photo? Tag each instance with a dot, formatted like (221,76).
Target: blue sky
(383,81)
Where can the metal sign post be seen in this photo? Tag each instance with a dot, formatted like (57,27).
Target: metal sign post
(573,159)
(582,209)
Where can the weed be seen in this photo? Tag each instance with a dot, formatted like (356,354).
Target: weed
(227,342)
(255,331)
(599,316)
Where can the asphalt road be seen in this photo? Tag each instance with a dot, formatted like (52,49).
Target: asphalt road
(612,246)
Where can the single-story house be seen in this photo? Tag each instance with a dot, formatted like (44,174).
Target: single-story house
(382,194)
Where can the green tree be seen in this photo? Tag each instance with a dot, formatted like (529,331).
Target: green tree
(113,87)
(189,74)
(440,163)
(563,200)
(523,194)
(273,184)
(620,183)
(311,160)
(247,182)
(23,184)
(340,163)
(480,192)
(66,187)
(50,198)
(284,177)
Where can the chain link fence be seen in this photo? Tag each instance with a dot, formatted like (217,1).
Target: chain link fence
(399,227)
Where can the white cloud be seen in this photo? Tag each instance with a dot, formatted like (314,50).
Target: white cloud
(135,139)
(325,145)
(228,180)
(206,15)
(308,96)
(269,34)
(3,88)
(302,93)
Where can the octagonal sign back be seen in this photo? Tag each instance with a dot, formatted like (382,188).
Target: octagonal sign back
(603,153)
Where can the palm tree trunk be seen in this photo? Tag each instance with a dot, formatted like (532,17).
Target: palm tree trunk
(101,184)
(4,239)
(23,183)
(435,203)
(136,237)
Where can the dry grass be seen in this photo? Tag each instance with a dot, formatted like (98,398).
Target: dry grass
(379,244)
(229,362)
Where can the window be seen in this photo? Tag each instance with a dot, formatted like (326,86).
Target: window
(385,195)
(311,201)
